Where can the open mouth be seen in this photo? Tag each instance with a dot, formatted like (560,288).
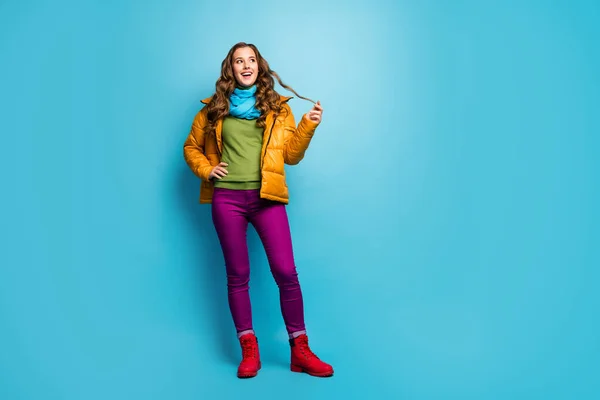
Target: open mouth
(246,74)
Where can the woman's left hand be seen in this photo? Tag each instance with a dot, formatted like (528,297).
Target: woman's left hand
(315,113)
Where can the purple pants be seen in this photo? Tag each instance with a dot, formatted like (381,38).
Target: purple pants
(231,212)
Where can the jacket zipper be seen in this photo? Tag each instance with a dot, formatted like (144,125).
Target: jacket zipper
(262,161)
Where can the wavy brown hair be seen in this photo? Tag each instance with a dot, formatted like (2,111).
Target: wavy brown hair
(267,99)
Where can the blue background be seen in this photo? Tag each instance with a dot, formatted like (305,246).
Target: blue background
(445,218)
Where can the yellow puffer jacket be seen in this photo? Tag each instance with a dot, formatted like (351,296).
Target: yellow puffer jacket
(283,142)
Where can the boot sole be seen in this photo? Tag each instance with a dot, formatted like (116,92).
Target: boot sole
(246,375)
(295,368)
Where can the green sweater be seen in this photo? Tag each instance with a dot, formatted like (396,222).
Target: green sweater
(242,142)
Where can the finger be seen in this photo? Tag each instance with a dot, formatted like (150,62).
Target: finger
(222,171)
(311,116)
(318,107)
(223,164)
(218,172)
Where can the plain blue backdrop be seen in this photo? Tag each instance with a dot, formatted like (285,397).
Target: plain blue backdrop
(445,218)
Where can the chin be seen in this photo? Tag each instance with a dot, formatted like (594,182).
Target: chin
(242,83)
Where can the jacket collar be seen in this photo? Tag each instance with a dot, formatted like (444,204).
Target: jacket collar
(284,99)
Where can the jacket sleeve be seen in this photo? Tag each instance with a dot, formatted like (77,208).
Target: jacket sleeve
(193,148)
(298,138)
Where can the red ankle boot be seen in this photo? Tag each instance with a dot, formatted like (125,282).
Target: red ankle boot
(250,356)
(304,360)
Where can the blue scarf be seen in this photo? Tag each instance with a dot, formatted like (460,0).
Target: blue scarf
(242,103)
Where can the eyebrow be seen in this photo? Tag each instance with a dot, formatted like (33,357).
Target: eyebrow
(241,58)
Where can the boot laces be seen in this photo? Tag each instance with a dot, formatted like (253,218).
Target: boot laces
(302,342)
(248,348)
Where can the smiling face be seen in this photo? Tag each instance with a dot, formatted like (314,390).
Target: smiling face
(245,66)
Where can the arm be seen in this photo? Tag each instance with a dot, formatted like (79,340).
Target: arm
(193,148)
(296,139)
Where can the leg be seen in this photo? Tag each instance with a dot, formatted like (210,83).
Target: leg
(271,223)
(231,223)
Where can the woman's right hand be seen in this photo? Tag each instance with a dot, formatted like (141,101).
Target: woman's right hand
(219,171)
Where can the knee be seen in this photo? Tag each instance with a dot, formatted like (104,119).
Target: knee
(286,276)
(238,279)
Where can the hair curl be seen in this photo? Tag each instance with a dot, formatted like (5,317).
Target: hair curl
(267,99)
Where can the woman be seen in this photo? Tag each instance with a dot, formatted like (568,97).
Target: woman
(238,145)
